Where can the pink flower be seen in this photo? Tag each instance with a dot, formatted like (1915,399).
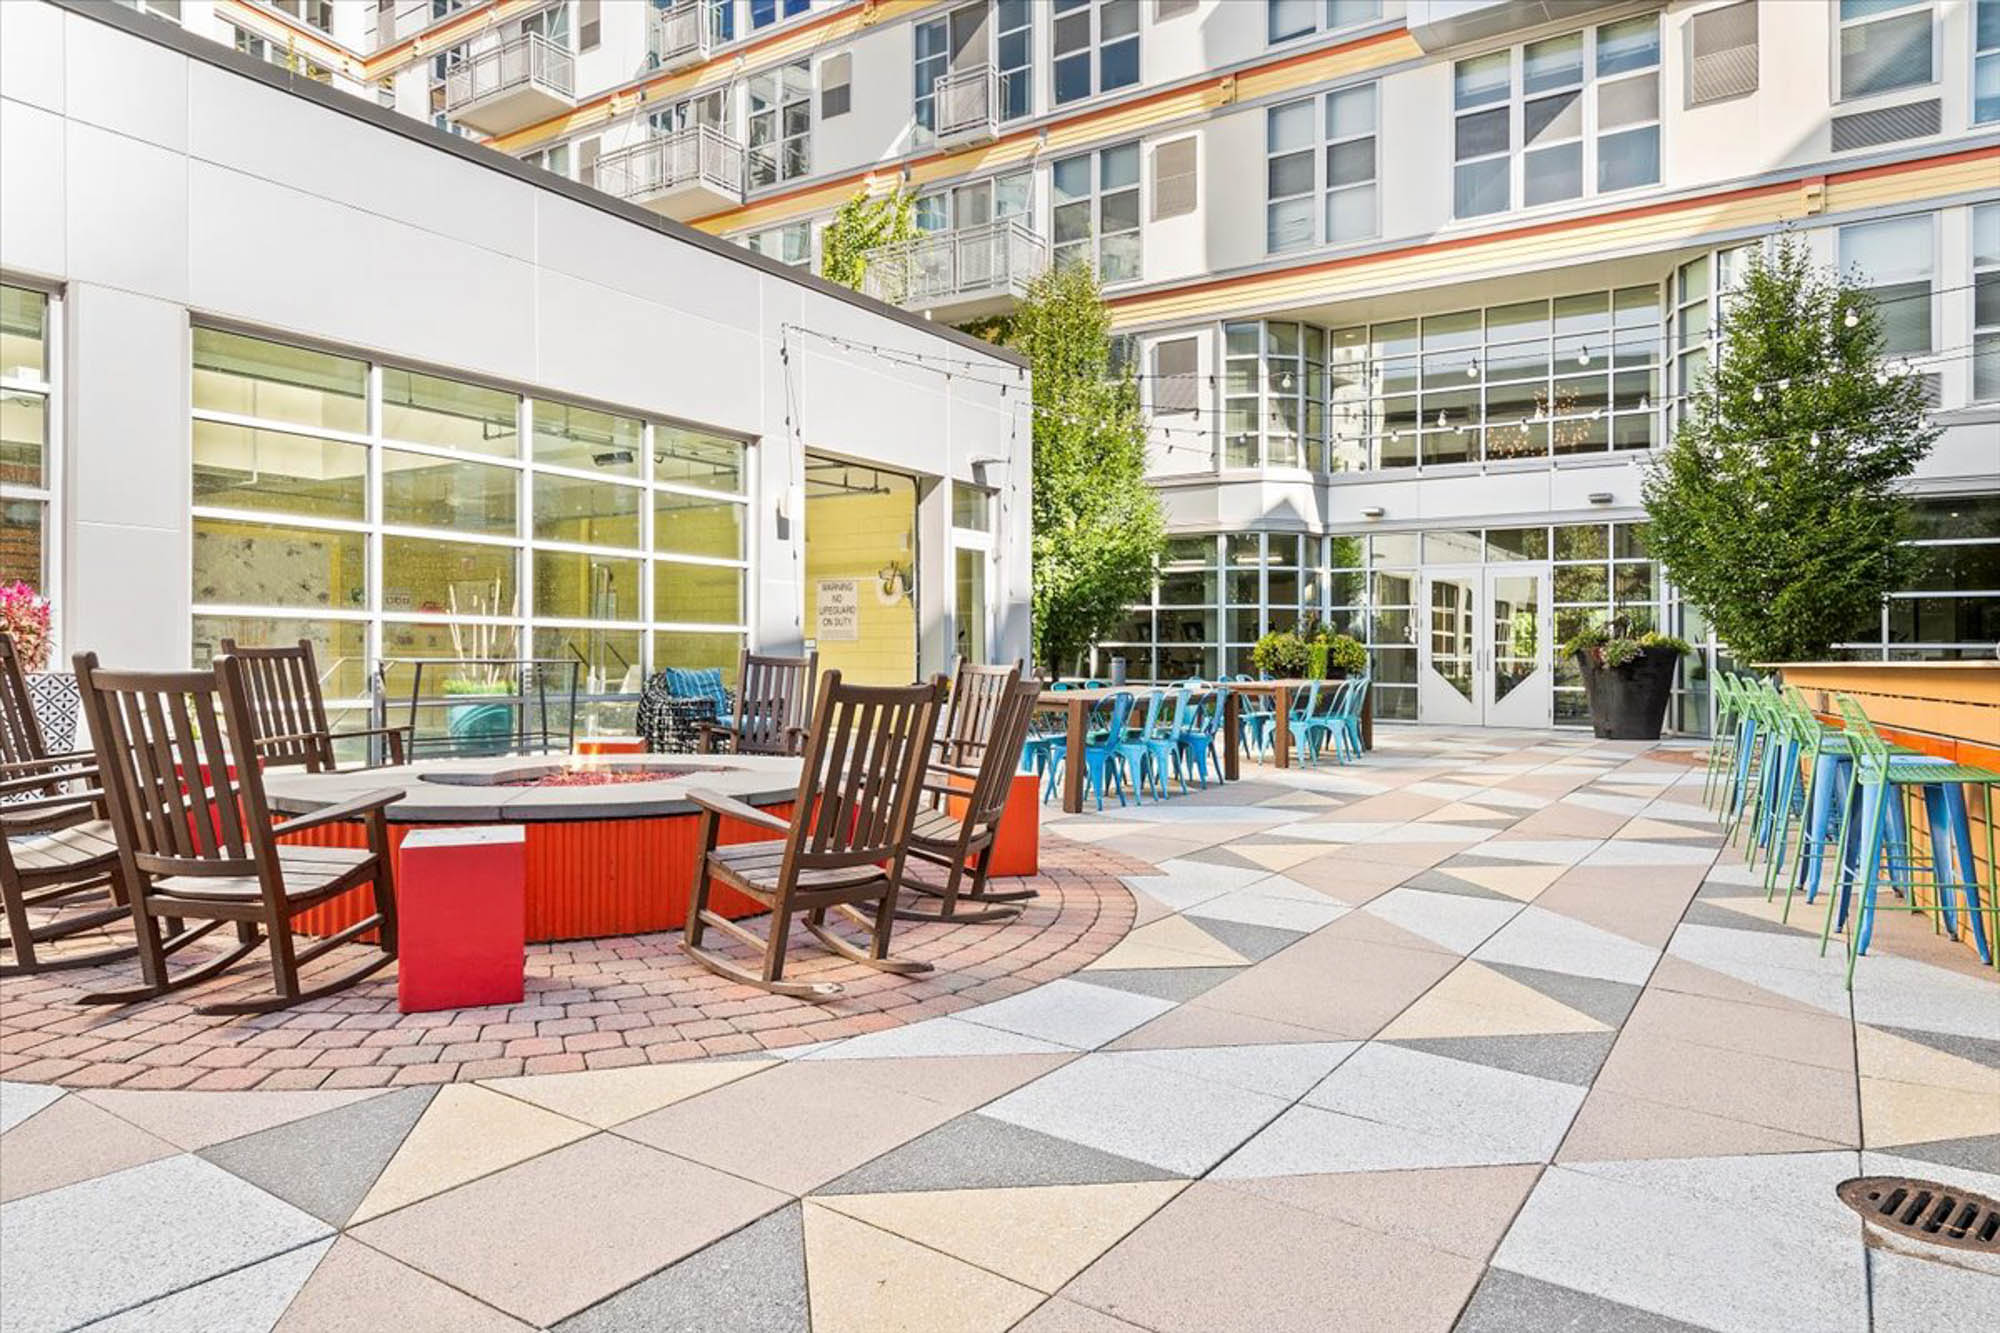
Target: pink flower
(24,614)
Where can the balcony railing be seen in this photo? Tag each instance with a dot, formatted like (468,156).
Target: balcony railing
(530,60)
(987,263)
(681,36)
(700,156)
(967,103)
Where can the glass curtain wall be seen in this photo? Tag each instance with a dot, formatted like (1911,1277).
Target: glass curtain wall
(1215,595)
(387,513)
(1572,376)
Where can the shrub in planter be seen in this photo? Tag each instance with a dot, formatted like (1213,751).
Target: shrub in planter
(1628,678)
(1310,652)
(1281,653)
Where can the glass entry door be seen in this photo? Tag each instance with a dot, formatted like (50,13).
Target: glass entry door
(1484,651)
(1519,680)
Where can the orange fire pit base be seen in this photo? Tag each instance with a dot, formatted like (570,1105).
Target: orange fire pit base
(584,878)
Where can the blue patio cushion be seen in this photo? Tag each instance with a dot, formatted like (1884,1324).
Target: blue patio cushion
(699,683)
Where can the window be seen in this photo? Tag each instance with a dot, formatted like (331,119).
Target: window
(836,79)
(977,202)
(1172,9)
(1985,61)
(442,64)
(1096,46)
(1884,45)
(525,526)
(1014,56)
(284,57)
(1589,114)
(315,13)
(780,105)
(1986,303)
(1894,258)
(789,244)
(28,467)
(1287,19)
(1951,607)
(1301,201)
(170,10)
(1274,395)
(1175,186)
(551,23)
(589,24)
(763,13)
(1096,211)
(554,158)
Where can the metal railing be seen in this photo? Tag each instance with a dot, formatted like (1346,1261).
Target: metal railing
(681,32)
(528,59)
(966,102)
(698,155)
(987,259)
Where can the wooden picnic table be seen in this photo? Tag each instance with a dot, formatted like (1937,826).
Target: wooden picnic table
(1075,707)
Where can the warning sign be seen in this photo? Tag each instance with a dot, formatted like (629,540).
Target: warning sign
(837,610)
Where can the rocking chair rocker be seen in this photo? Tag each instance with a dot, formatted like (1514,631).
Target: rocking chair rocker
(843,846)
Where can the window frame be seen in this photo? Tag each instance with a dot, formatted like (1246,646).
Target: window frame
(1321,148)
(1984,56)
(51,493)
(1840,27)
(1094,48)
(645,488)
(1097,195)
(1590,134)
(1932,306)
(1323,20)
(785,96)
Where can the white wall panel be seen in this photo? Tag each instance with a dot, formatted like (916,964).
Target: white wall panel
(32,177)
(133,88)
(31,54)
(127,213)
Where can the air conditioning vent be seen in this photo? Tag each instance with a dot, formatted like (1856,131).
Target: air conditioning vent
(1174,184)
(1176,385)
(1722,53)
(1865,129)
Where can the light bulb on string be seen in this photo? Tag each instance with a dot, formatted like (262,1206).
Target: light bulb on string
(1583,355)
(1441,420)
(1645,403)
(1815,439)
(1757,394)
(1472,369)
(1850,319)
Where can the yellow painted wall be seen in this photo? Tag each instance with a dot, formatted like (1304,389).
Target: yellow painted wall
(857,536)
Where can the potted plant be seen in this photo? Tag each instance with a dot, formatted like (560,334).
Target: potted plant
(1627,677)
(1281,654)
(24,614)
(1310,652)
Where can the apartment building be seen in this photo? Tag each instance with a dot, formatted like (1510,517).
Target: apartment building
(278,363)
(1412,286)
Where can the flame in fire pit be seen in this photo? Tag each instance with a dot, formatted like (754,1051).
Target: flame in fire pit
(595,775)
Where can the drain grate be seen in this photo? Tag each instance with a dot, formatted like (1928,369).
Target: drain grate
(1926,1211)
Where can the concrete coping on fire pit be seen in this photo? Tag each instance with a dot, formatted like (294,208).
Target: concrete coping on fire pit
(474,790)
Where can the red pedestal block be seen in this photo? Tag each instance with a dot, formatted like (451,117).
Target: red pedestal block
(1017,848)
(462,917)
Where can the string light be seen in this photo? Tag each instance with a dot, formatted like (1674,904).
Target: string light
(1757,394)
(1583,355)
(1472,369)
(1851,319)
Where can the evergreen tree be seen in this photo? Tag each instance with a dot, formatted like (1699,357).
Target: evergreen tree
(861,224)
(1776,508)
(1098,527)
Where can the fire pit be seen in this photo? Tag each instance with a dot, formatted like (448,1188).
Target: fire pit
(589,773)
(611,840)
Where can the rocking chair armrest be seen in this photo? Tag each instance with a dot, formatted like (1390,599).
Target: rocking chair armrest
(400,738)
(49,761)
(367,803)
(45,778)
(715,803)
(13,809)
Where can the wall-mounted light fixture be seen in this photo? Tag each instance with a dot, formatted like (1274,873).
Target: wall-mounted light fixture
(1373,511)
(1600,497)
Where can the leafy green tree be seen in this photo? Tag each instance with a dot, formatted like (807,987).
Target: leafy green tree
(1098,526)
(1776,508)
(861,224)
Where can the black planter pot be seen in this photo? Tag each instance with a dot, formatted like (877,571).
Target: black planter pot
(1629,702)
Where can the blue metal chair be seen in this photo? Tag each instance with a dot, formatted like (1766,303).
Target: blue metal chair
(1205,711)
(1100,748)
(1134,756)
(1345,726)
(1298,722)
(1256,715)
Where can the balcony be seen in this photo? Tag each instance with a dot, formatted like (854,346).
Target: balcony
(962,274)
(681,37)
(967,106)
(517,83)
(684,174)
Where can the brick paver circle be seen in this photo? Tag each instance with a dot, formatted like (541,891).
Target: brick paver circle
(591,1004)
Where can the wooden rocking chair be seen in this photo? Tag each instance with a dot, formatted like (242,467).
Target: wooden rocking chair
(844,844)
(56,845)
(289,709)
(774,703)
(978,753)
(196,840)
